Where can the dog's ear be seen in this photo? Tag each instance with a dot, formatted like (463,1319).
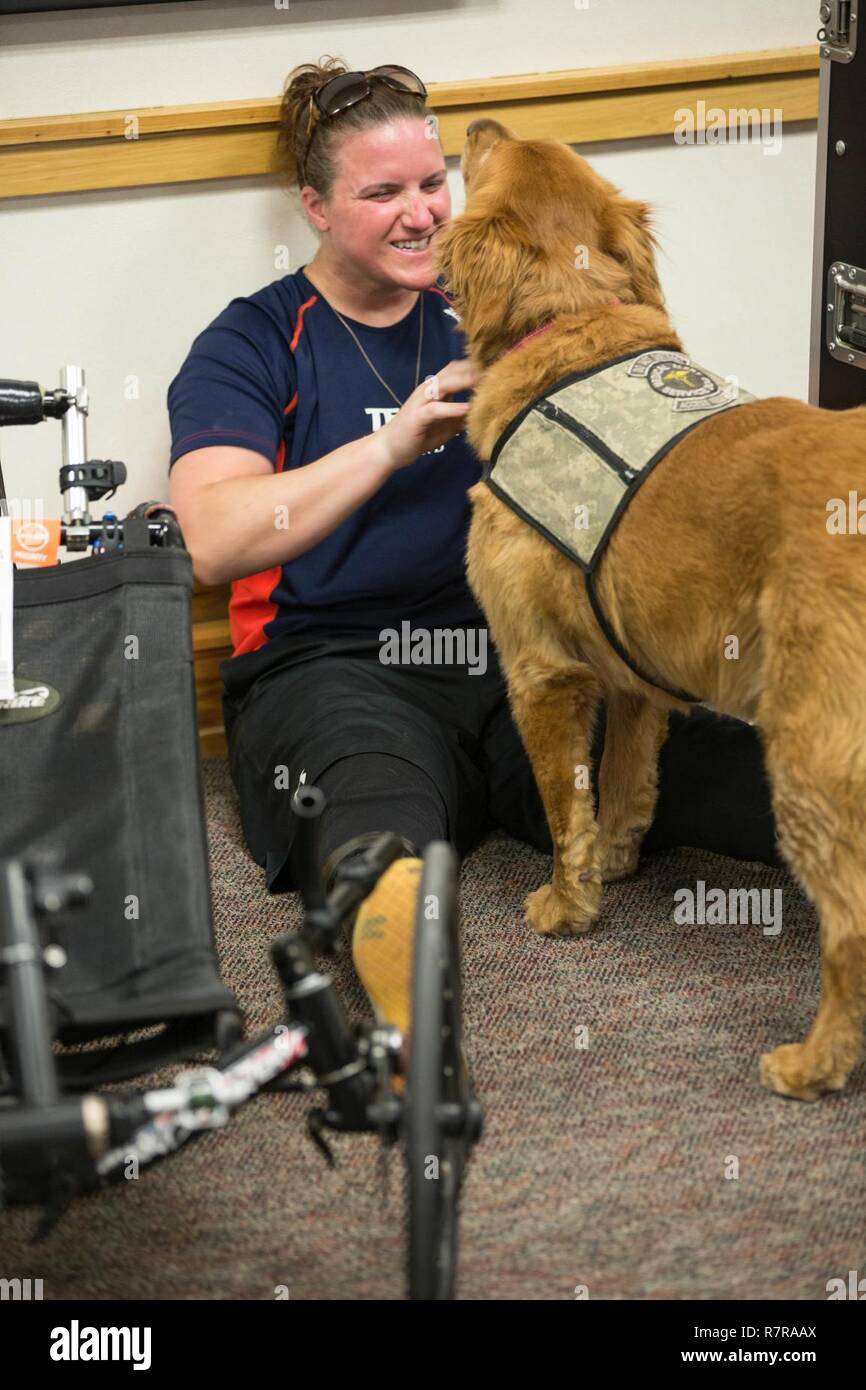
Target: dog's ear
(469,170)
(628,237)
(490,253)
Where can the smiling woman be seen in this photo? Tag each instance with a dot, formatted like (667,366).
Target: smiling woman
(376,237)
(318,463)
(365,152)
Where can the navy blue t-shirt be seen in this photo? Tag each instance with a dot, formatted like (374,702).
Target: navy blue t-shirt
(277,372)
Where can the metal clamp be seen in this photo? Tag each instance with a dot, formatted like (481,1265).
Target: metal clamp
(845,313)
(838,33)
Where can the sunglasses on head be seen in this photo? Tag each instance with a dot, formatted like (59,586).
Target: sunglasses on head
(348,88)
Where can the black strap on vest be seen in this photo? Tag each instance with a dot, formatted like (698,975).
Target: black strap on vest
(621,652)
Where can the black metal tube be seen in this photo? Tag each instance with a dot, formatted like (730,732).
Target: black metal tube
(333,1051)
(162,525)
(54,1128)
(21,403)
(21,957)
(308,803)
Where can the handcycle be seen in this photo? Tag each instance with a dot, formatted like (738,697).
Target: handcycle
(60,1134)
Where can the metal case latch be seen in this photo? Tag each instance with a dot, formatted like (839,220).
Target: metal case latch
(838,33)
(846,313)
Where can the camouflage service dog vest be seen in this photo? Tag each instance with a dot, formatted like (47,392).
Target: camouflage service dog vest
(572,460)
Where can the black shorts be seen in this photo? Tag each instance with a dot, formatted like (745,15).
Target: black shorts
(433,752)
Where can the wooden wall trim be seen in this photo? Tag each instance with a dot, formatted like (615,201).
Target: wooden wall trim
(43,155)
(211,644)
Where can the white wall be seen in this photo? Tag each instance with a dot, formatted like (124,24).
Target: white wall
(121,282)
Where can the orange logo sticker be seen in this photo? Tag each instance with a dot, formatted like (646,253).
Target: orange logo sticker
(35,542)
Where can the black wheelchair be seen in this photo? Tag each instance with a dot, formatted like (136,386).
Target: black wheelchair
(105,812)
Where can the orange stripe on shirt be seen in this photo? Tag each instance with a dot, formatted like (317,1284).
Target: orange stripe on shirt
(250,606)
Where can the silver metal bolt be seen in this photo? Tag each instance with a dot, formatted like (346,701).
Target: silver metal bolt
(840,146)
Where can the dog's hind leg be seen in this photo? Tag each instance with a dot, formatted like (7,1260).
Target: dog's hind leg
(628,780)
(553,707)
(819,800)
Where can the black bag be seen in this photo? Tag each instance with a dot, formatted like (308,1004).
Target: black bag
(99,758)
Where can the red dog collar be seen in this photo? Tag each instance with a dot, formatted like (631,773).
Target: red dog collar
(543,329)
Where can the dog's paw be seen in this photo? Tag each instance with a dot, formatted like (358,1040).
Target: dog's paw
(790,1071)
(618,861)
(550,914)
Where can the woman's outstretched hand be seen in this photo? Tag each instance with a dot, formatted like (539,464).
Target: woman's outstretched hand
(427,419)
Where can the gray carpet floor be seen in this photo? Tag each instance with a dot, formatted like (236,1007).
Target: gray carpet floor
(606,1167)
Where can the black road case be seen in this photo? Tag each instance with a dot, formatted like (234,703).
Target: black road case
(837,374)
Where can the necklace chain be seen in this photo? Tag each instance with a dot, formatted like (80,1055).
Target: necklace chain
(370,364)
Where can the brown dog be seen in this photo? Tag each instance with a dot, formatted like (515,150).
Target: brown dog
(728,535)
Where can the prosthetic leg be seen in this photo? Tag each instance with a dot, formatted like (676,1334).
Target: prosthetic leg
(383,935)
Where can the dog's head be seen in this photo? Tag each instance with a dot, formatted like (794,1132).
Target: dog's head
(542,234)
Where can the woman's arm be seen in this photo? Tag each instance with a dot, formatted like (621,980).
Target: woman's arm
(239,517)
